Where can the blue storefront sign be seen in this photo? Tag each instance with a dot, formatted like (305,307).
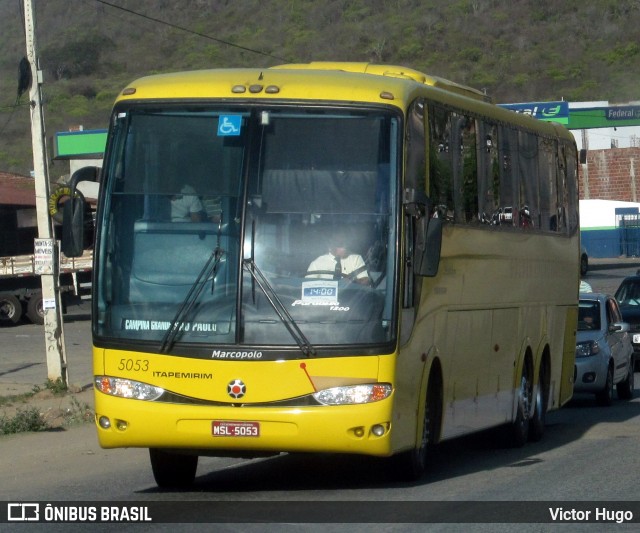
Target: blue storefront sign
(622,112)
(550,111)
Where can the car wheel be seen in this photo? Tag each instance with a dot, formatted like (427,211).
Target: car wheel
(584,264)
(605,396)
(172,470)
(625,388)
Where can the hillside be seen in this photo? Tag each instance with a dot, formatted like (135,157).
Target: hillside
(516,50)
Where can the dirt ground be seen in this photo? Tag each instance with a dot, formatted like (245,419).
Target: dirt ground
(56,410)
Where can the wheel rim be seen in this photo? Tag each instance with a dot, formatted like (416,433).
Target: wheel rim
(7,310)
(538,401)
(526,396)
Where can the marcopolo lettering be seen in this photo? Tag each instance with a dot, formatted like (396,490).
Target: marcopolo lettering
(224,354)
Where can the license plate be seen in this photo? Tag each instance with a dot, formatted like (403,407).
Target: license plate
(228,428)
(636,339)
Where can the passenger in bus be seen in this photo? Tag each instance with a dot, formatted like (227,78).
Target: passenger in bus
(339,263)
(186,206)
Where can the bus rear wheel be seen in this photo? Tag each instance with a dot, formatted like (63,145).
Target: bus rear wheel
(541,399)
(173,470)
(520,426)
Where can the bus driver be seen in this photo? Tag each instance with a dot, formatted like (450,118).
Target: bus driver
(339,263)
(186,206)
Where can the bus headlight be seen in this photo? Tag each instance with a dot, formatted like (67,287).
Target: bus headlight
(354,394)
(127,388)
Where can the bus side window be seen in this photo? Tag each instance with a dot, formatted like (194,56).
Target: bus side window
(440,162)
(488,172)
(547,184)
(508,152)
(528,216)
(467,171)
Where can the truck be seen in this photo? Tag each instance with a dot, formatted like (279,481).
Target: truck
(21,287)
(20,282)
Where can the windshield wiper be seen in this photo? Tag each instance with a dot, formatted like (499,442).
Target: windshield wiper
(267,289)
(210,267)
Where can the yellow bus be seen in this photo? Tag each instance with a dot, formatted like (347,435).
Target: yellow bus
(327,257)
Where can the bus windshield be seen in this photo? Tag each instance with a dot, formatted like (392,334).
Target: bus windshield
(231,230)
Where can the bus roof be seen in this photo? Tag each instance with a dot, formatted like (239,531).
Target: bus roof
(347,82)
(393,71)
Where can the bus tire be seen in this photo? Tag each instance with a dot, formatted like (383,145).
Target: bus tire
(412,465)
(173,470)
(10,309)
(541,402)
(35,308)
(520,426)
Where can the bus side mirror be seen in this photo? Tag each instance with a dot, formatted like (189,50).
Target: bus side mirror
(73,227)
(428,247)
(583,156)
(73,213)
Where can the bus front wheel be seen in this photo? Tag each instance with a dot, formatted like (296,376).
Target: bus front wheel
(413,464)
(173,470)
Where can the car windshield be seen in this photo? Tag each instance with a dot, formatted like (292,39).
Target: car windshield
(588,315)
(629,293)
(249,227)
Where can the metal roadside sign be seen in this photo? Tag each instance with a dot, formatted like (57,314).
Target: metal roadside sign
(43,256)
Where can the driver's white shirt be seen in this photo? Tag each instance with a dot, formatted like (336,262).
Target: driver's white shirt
(186,203)
(327,263)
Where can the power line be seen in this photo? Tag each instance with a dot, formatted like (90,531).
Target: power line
(192,32)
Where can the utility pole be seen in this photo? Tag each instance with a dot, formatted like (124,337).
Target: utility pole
(46,250)
(585,167)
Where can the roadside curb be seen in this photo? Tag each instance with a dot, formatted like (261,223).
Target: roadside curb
(609,263)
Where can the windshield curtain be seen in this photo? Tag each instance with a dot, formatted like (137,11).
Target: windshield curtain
(214,218)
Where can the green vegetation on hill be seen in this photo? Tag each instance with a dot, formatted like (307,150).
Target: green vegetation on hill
(516,50)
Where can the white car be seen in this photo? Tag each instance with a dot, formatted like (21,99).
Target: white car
(604,354)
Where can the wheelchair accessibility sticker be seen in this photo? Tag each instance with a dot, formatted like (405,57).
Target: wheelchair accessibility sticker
(229,125)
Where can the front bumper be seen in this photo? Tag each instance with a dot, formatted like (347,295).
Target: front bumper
(335,429)
(591,374)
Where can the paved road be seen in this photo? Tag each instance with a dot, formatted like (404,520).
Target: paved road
(23,363)
(605,275)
